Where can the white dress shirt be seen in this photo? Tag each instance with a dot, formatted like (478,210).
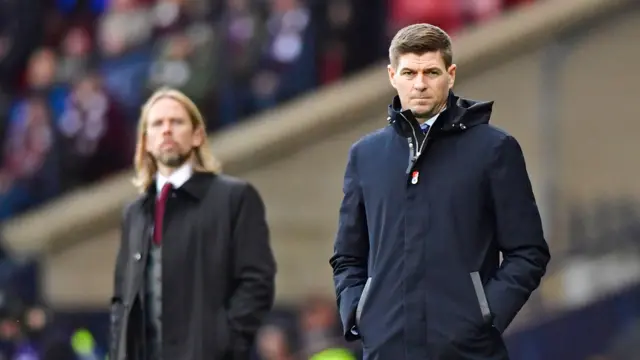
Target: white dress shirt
(432,119)
(177,178)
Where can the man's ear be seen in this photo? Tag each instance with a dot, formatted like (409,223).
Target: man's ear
(392,73)
(452,75)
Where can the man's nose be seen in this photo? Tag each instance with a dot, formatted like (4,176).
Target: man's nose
(166,127)
(419,83)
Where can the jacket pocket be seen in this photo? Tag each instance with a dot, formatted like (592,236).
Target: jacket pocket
(485,311)
(362,301)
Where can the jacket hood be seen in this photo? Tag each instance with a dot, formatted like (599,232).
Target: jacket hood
(460,115)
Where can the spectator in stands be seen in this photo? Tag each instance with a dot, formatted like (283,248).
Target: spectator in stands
(287,65)
(75,55)
(124,34)
(342,50)
(94,137)
(243,32)
(42,81)
(335,49)
(35,320)
(44,340)
(320,328)
(30,172)
(274,344)
(25,332)
(11,309)
(20,32)
(186,59)
(9,336)
(170,16)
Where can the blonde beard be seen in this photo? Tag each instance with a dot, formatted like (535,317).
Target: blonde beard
(174,161)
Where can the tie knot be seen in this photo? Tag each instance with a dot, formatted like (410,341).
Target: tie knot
(424,128)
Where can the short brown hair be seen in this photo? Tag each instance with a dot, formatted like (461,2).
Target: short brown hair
(420,39)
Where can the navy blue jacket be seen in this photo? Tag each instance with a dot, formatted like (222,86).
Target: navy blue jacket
(423,221)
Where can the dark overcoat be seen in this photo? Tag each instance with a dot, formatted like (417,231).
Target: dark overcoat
(423,222)
(217,268)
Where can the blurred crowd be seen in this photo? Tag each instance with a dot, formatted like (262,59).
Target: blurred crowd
(26,333)
(73,73)
(312,332)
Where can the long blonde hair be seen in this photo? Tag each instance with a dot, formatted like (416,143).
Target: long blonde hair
(144,163)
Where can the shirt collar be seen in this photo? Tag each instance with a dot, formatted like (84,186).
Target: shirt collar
(432,119)
(177,178)
(429,123)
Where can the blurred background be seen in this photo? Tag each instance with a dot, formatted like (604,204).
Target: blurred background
(286,86)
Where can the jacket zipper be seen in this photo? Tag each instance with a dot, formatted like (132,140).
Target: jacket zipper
(413,154)
(424,143)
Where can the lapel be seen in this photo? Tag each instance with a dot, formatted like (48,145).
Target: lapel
(141,228)
(198,185)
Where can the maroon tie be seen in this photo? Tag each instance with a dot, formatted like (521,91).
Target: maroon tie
(159,215)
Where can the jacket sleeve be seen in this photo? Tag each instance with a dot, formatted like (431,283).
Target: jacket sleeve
(254,270)
(519,233)
(351,250)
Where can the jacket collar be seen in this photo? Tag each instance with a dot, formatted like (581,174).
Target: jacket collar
(460,115)
(178,178)
(196,187)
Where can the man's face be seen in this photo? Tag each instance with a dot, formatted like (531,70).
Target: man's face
(170,133)
(422,82)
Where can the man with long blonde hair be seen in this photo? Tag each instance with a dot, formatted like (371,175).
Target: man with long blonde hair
(195,271)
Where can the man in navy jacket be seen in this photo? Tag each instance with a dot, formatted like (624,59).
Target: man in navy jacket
(430,203)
